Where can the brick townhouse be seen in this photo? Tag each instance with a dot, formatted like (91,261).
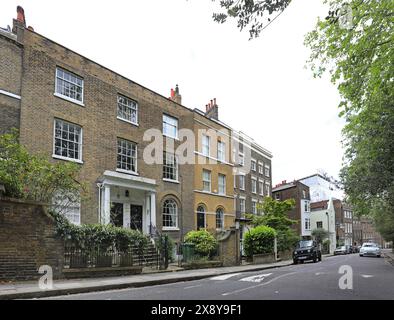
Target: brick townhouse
(70,108)
(302,210)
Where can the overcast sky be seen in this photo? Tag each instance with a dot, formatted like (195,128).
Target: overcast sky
(261,85)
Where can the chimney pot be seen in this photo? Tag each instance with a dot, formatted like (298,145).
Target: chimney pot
(214,101)
(20,15)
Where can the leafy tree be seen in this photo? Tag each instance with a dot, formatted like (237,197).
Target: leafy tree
(256,15)
(320,234)
(33,177)
(276,216)
(259,240)
(359,57)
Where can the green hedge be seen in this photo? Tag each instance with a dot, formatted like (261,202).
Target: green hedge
(205,243)
(259,240)
(97,236)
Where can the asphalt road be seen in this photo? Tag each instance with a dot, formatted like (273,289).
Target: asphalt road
(372,278)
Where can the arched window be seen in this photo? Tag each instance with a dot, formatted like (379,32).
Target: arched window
(170,214)
(201,217)
(219,218)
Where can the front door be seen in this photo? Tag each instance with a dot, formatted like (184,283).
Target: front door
(117,214)
(136,217)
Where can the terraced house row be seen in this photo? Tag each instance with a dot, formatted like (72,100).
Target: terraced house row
(70,108)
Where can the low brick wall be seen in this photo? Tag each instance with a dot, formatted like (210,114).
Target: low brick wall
(27,241)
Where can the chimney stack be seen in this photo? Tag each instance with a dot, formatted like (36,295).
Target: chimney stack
(19,24)
(21,15)
(212,110)
(175,96)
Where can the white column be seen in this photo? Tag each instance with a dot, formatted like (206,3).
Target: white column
(106,219)
(146,214)
(153,209)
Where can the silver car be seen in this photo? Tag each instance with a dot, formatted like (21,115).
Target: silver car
(370,250)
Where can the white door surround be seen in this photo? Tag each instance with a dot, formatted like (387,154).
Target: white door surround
(130,190)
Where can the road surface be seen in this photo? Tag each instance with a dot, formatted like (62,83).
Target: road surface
(368,278)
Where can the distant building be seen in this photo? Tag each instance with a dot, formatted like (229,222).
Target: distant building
(300,193)
(321,188)
(323,217)
(364,231)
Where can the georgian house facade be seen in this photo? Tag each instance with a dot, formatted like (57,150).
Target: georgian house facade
(213,172)
(72,109)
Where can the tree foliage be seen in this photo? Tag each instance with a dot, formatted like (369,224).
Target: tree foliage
(33,177)
(359,57)
(259,240)
(320,234)
(252,14)
(276,216)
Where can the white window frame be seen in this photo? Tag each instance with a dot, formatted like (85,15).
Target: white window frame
(261,188)
(267,170)
(133,144)
(221,151)
(267,189)
(206,145)
(174,227)
(242,209)
(220,215)
(223,186)
(63,96)
(166,123)
(254,206)
(253,165)
(129,106)
(242,185)
(174,164)
(206,181)
(261,168)
(254,185)
(69,210)
(241,159)
(80,143)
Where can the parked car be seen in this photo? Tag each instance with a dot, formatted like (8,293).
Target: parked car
(356,249)
(348,249)
(370,249)
(306,250)
(340,250)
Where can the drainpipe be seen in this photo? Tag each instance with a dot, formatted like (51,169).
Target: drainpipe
(100,187)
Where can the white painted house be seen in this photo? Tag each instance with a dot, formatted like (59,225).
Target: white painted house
(323,217)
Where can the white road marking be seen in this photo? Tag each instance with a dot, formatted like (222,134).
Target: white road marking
(199,285)
(259,285)
(226,276)
(258,278)
(367,276)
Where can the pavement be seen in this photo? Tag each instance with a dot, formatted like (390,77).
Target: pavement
(26,290)
(347,277)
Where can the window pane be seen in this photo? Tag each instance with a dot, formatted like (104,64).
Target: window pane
(69,85)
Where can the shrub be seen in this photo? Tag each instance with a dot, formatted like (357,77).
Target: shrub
(204,243)
(259,240)
(287,239)
(96,236)
(161,246)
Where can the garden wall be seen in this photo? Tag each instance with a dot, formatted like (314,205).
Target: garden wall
(27,241)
